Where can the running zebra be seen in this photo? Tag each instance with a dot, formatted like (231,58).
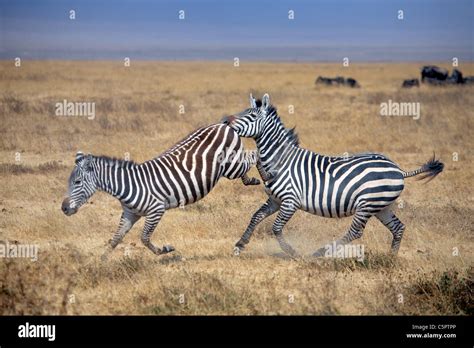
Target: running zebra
(362,185)
(182,175)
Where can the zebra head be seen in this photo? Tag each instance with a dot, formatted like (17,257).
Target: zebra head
(249,122)
(82,184)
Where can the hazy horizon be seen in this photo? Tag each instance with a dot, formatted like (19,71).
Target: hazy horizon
(326,31)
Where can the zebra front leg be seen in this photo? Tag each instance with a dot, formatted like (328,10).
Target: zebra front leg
(355,232)
(250,160)
(287,210)
(127,220)
(267,209)
(151,221)
(266,176)
(396,227)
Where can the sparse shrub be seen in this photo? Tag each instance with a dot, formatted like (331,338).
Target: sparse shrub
(104,122)
(449,292)
(435,293)
(33,288)
(17,169)
(13,104)
(36,77)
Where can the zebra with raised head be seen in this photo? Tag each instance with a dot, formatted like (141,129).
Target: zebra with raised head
(182,175)
(362,185)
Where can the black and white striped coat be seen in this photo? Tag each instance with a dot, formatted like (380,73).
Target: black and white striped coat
(361,185)
(182,175)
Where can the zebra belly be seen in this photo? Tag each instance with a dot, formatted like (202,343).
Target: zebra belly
(340,196)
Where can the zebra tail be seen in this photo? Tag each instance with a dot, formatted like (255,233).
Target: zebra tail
(428,170)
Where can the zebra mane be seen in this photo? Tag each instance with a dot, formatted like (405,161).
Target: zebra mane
(291,135)
(115,162)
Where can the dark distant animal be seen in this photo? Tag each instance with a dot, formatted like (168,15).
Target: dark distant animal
(433,73)
(339,80)
(437,76)
(411,83)
(323,80)
(456,77)
(468,80)
(352,83)
(330,81)
(182,175)
(434,81)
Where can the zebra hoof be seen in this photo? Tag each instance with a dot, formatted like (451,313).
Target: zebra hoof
(167,249)
(293,255)
(254,181)
(320,252)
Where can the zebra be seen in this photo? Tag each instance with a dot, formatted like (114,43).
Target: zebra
(182,175)
(362,185)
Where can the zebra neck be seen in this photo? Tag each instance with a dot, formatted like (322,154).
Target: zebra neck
(274,146)
(109,177)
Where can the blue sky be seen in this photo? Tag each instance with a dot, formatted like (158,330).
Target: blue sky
(326,30)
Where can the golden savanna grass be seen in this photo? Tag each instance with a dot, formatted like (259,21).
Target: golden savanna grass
(137,112)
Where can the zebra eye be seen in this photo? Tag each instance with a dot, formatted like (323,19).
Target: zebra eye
(77,182)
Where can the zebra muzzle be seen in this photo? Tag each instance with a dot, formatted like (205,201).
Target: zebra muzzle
(66,207)
(228,120)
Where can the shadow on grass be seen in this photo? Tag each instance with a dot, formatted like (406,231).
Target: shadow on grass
(372,261)
(126,267)
(170,259)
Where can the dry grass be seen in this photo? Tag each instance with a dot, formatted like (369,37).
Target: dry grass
(137,112)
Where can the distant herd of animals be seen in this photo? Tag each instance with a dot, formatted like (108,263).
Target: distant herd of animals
(338,81)
(362,185)
(430,74)
(434,75)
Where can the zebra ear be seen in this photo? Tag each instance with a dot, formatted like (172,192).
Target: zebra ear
(79,156)
(266,101)
(253,102)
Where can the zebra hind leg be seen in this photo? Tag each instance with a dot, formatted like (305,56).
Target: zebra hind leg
(127,220)
(355,232)
(151,221)
(396,227)
(287,210)
(268,208)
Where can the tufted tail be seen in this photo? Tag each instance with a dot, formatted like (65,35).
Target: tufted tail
(428,170)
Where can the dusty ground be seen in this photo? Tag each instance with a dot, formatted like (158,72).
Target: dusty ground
(137,112)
